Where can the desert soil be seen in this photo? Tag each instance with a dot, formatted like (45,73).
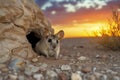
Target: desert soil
(80,59)
(86,52)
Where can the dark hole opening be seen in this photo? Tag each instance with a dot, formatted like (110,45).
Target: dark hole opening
(32,39)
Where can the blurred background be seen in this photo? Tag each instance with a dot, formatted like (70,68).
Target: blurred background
(78,18)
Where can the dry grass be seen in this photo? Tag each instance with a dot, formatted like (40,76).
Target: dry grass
(110,37)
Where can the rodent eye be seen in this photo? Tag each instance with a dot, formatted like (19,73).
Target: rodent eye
(49,40)
(57,41)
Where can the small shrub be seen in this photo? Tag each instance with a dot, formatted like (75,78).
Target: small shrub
(110,37)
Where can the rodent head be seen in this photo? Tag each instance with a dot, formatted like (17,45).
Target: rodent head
(54,40)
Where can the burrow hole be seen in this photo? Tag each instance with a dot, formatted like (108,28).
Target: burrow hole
(33,39)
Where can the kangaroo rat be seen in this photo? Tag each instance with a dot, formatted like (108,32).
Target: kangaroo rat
(50,45)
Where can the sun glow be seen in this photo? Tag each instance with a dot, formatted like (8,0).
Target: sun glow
(79,30)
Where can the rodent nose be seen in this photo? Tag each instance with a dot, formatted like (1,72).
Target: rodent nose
(54,46)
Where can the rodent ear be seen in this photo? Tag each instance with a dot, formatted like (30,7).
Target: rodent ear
(60,34)
(46,32)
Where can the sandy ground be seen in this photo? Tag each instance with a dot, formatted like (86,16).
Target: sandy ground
(73,48)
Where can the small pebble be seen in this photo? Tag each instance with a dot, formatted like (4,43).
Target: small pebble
(62,76)
(97,75)
(20,77)
(116,78)
(5,70)
(111,72)
(29,69)
(12,77)
(65,67)
(91,77)
(51,75)
(2,66)
(34,59)
(86,69)
(82,58)
(38,76)
(76,76)
(103,77)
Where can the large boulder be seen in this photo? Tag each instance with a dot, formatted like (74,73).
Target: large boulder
(22,24)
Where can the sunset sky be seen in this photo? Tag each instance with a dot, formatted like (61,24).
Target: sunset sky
(78,18)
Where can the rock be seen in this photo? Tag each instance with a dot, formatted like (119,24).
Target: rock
(86,69)
(94,69)
(17,20)
(116,78)
(6,77)
(82,58)
(62,76)
(2,66)
(38,76)
(16,64)
(80,46)
(97,75)
(58,70)
(30,69)
(104,56)
(21,77)
(43,66)
(12,77)
(76,76)
(111,72)
(1,78)
(51,75)
(65,67)
(102,71)
(115,65)
(34,59)
(91,77)
(98,56)
(4,58)
(116,68)
(79,72)
(5,69)
(75,47)
(103,77)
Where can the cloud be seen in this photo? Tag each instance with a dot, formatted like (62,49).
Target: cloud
(70,7)
(46,5)
(97,4)
(56,0)
(74,5)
